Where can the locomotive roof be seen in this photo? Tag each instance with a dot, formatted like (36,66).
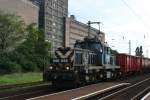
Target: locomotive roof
(92,40)
(129,55)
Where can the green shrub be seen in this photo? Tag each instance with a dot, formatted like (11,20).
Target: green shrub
(9,67)
(13,67)
(29,66)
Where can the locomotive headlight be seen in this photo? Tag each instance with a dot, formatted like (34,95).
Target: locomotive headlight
(67,68)
(101,50)
(50,67)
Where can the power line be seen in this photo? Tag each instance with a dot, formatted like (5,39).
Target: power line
(135,14)
(138,17)
(123,37)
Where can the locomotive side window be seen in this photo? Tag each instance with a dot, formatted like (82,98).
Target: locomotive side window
(96,46)
(107,50)
(78,58)
(92,58)
(89,59)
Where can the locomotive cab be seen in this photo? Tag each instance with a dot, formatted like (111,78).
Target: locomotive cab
(60,68)
(92,44)
(102,50)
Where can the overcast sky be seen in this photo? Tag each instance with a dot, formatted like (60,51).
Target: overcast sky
(120,18)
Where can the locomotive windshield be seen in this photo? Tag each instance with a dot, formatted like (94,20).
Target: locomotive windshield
(89,45)
(96,46)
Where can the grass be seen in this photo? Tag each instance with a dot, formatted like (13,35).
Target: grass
(19,78)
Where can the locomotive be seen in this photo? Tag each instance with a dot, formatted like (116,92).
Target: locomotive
(89,61)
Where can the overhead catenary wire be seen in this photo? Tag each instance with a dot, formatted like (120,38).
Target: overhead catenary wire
(136,15)
(122,36)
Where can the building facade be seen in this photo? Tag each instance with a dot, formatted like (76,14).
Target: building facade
(76,30)
(36,2)
(23,8)
(52,19)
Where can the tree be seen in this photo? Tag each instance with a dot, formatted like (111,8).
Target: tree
(42,48)
(34,50)
(139,51)
(22,48)
(12,32)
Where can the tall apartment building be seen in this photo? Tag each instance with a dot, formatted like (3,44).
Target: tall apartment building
(52,19)
(23,8)
(76,30)
(60,29)
(36,2)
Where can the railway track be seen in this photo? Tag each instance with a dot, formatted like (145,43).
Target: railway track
(99,91)
(140,95)
(20,92)
(44,89)
(133,92)
(10,86)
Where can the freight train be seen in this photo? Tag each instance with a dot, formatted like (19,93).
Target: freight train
(91,61)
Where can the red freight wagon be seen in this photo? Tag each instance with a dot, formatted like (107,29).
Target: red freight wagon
(124,61)
(136,66)
(143,63)
(139,63)
(147,62)
(132,63)
(129,63)
(135,63)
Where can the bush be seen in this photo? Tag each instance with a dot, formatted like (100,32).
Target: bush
(13,67)
(42,62)
(29,56)
(9,67)
(29,66)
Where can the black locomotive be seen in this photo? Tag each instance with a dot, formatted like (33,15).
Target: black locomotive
(89,61)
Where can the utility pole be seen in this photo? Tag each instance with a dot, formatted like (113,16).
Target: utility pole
(147,53)
(130,47)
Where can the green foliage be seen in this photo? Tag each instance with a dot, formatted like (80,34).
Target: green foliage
(18,78)
(8,66)
(139,51)
(11,32)
(34,50)
(21,49)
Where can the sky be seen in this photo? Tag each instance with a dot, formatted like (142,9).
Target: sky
(122,20)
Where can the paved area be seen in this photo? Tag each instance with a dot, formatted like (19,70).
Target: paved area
(71,94)
(146,97)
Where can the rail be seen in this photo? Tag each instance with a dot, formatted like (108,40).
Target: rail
(102,92)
